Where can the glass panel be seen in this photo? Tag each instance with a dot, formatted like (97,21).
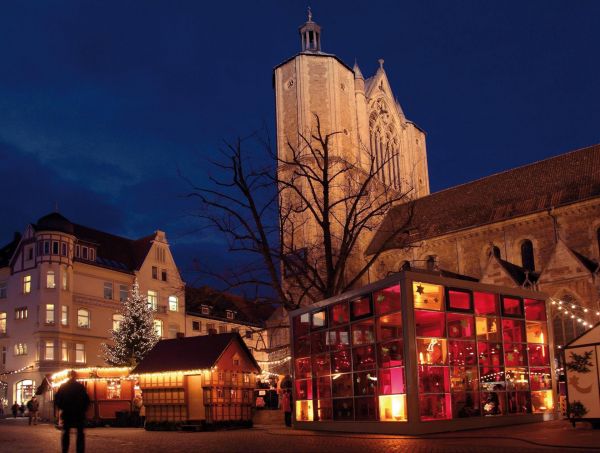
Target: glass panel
(325,410)
(301,324)
(365,408)
(435,407)
(364,358)
(339,338)
(512,306)
(318,342)
(542,402)
(515,354)
(537,332)
(535,310)
(302,346)
(339,313)
(391,354)
(303,368)
(341,385)
(361,307)
(319,319)
(459,300)
(461,353)
(492,379)
(489,354)
(464,379)
(343,409)
(365,383)
(341,361)
(389,327)
(518,403)
(486,304)
(493,403)
(434,379)
(387,300)
(363,332)
(513,330)
(428,296)
(430,323)
(465,404)
(517,379)
(321,364)
(460,326)
(304,389)
(392,408)
(488,329)
(432,351)
(304,411)
(538,355)
(540,379)
(391,381)
(324,387)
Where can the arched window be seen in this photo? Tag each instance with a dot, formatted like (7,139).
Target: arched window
(83,318)
(527,255)
(24,390)
(158,327)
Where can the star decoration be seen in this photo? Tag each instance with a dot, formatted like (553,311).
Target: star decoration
(420,289)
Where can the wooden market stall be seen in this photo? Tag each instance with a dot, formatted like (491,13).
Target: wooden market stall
(582,362)
(198,380)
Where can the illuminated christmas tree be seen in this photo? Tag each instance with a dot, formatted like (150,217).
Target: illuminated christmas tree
(135,335)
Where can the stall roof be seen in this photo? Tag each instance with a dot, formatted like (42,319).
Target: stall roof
(189,353)
(589,337)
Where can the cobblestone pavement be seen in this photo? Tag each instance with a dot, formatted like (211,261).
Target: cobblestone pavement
(16,436)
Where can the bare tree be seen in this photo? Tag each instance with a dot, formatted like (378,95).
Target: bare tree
(305,216)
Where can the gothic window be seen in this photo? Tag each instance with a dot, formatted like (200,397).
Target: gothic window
(494,250)
(384,144)
(527,255)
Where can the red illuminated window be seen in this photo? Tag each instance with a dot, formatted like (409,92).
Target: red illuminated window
(540,379)
(515,354)
(538,355)
(341,361)
(391,381)
(486,304)
(391,354)
(461,353)
(301,324)
(387,300)
(434,379)
(363,332)
(304,389)
(339,338)
(324,387)
(535,310)
(459,300)
(303,368)
(461,326)
(321,364)
(339,314)
(513,330)
(389,327)
(435,407)
(493,403)
(318,342)
(430,323)
(512,306)
(364,358)
(489,354)
(361,307)
(464,379)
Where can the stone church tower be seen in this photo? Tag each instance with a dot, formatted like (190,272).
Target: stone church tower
(364,111)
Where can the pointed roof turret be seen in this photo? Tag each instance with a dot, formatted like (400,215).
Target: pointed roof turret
(357,72)
(310,35)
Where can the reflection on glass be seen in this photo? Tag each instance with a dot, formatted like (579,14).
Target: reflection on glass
(365,408)
(324,387)
(343,409)
(517,379)
(392,408)
(491,379)
(341,361)
(542,401)
(428,296)
(538,355)
(434,379)
(518,403)
(364,358)
(435,407)
(489,354)
(465,404)
(341,385)
(493,403)
(515,354)
(387,300)
(339,313)
(460,326)
(304,389)
(391,354)
(339,338)
(389,327)
(464,379)
(361,307)
(321,364)
(363,332)
(540,379)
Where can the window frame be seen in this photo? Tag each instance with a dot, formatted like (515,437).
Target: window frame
(471,308)
(87,316)
(110,287)
(50,314)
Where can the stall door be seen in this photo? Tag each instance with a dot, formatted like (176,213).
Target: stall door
(195,398)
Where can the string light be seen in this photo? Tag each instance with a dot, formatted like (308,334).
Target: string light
(20,370)
(572,314)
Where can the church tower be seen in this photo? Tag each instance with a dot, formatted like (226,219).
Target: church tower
(365,112)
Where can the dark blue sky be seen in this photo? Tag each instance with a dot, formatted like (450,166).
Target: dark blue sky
(102,101)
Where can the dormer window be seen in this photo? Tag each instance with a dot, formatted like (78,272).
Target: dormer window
(229,314)
(205,310)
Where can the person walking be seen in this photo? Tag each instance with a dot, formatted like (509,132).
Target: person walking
(33,406)
(14,408)
(72,400)
(286,405)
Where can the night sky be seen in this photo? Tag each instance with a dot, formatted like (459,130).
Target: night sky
(101,102)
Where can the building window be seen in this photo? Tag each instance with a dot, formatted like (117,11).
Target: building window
(152,299)
(63,249)
(248,334)
(108,290)
(64,315)
(21,349)
(196,325)
(3,290)
(155,272)
(65,281)
(117,320)
(92,254)
(21,313)
(205,310)
(2,323)
(223,328)
(50,280)
(29,253)
(49,313)
(158,327)
(46,247)
(79,353)
(173,303)
(64,351)
(49,349)
(229,314)
(84,252)
(77,249)
(123,293)
(83,318)
(163,275)
(210,328)
(55,247)
(527,255)
(26,284)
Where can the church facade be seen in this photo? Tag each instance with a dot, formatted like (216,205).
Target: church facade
(536,226)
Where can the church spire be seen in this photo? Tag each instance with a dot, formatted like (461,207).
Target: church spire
(310,35)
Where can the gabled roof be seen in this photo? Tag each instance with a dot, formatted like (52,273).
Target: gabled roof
(590,336)
(550,183)
(589,264)
(189,353)
(8,250)
(520,275)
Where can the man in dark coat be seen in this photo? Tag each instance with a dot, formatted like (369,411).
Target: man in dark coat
(72,400)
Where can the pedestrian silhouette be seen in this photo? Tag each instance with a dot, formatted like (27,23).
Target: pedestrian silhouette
(72,400)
